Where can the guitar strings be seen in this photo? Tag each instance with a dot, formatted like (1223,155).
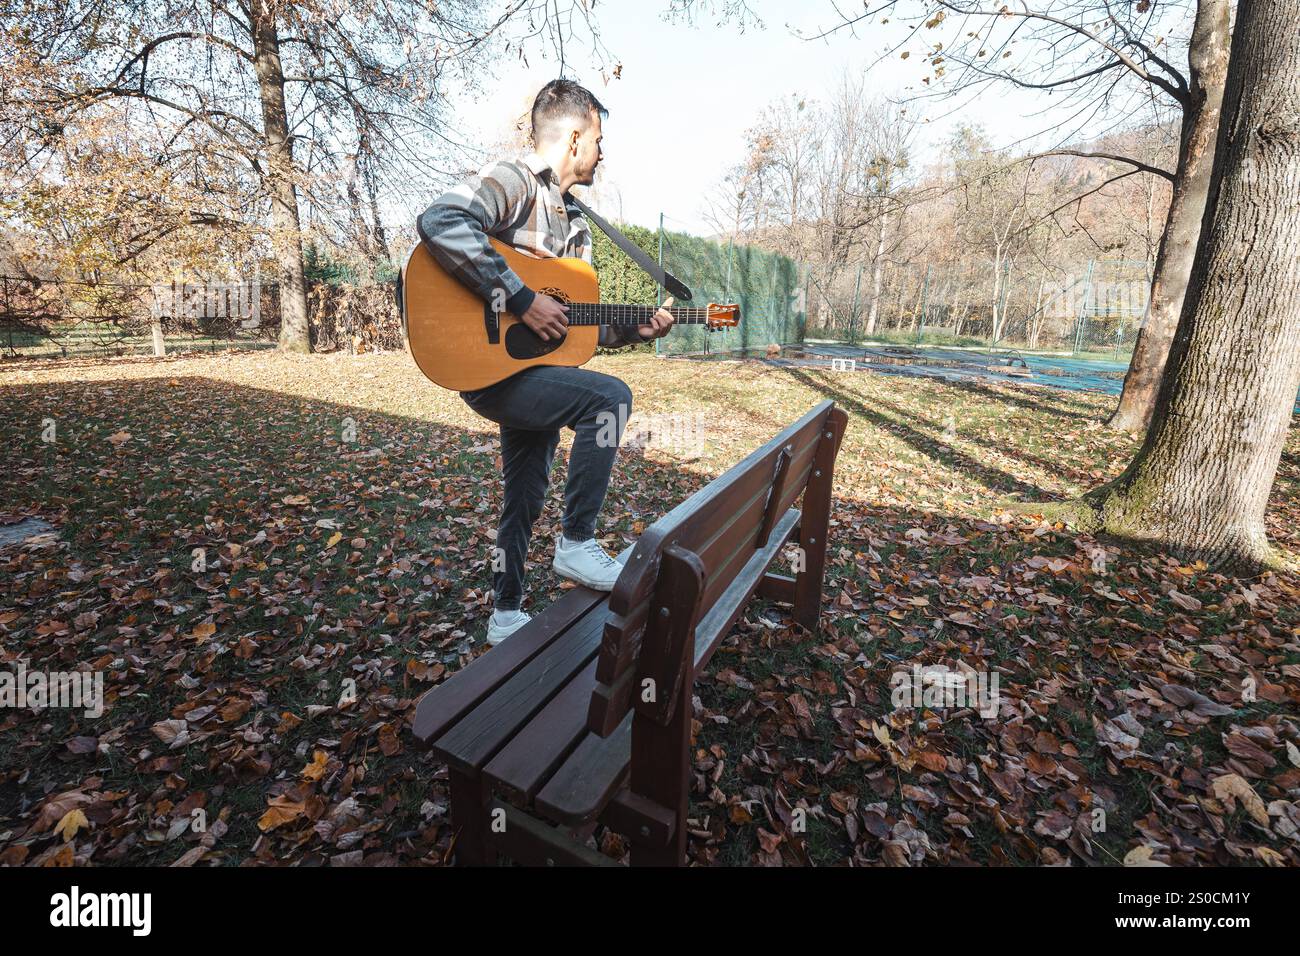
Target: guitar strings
(591,313)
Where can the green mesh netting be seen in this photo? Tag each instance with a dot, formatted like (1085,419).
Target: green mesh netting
(767,286)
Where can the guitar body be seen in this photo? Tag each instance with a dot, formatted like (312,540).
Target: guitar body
(445,324)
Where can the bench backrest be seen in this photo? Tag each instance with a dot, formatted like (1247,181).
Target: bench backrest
(710,536)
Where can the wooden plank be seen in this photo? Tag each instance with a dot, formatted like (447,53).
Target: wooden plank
(776,587)
(666,660)
(588,780)
(639,818)
(724,571)
(791,492)
(610,701)
(728,548)
(715,537)
(715,624)
(537,751)
(719,538)
(816,524)
(737,484)
(532,842)
(622,638)
(442,706)
(469,816)
(476,737)
(774,494)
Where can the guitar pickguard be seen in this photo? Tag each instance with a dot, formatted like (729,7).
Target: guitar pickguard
(523,343)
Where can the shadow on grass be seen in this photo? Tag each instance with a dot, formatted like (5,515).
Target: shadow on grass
(1042,401)
(903,428)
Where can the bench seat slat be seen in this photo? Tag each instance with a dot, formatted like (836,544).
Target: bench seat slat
(588,780)
(526,763)
(476,737)
(446,703)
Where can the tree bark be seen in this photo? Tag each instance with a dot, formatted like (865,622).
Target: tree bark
(286,231)
(960,309)
(996,331)
(156,331)
(1200,483)
(877,274)
(1035,324)
(1207,61)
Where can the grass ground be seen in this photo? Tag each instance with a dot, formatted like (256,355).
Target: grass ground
(243,539)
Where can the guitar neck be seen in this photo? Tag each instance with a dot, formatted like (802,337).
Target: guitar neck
(600,313)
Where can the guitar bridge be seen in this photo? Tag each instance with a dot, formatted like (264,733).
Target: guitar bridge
(492,324)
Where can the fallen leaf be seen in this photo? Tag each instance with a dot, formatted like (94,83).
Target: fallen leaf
(1231,786)
(72,821)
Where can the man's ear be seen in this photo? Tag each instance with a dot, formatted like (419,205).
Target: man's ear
(573,140)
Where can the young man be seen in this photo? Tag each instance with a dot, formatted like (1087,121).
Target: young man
(524,203)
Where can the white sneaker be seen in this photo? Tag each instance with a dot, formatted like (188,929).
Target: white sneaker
(504,623)
(587,563)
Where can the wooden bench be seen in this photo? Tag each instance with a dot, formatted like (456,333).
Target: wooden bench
(583,716)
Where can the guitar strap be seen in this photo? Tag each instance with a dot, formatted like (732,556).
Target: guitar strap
(675,287)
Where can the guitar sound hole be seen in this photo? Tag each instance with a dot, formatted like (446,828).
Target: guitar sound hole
(523,343)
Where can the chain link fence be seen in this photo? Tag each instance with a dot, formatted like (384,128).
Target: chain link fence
(768,287)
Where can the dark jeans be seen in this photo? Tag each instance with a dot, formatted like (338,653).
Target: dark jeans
(531,406)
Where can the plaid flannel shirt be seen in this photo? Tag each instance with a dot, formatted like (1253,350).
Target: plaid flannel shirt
(519,203)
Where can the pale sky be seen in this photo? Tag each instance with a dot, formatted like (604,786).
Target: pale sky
(687,94)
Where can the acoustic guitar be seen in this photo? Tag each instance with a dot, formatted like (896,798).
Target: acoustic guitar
(461,343)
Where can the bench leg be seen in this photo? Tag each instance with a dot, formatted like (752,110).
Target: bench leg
(661,773)
(469,814)
(815,523)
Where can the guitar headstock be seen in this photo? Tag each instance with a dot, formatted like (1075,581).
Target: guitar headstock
(721,316)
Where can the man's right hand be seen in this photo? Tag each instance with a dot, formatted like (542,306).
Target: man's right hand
(547,317)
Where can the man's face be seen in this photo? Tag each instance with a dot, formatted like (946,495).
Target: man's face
(589,152)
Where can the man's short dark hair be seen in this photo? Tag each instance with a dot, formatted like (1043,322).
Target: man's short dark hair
(561,100)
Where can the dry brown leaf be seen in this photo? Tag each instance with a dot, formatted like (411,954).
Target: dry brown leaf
(1233,786)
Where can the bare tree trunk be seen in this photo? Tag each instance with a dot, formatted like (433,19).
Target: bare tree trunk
(960,309)
(898,305)
(286,233)
(995,332)
(1036,320)
(376,227)
(1207,60)
(155,329)
(356,214)
(877,273)
(1200,483)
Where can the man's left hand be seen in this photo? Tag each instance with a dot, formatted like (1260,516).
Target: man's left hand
(659,323)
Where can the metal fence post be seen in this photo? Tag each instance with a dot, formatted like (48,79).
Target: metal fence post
(807,274)
(1083,309)
(726,287)
(659,293)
